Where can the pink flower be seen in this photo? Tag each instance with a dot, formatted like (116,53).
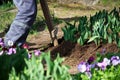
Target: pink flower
(11,51)
(25,46)
(37,52)
(104,64)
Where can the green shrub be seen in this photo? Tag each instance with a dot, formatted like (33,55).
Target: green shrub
(8,61)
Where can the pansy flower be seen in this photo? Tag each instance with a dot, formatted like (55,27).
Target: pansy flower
(29,55)
(82,67)
(115,60)
(91,59)
(1,42)
(37,52)
(11,51)
(104,64)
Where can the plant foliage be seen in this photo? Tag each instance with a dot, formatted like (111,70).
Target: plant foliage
(103,27)
(42,68)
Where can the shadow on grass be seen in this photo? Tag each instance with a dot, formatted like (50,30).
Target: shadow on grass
(41,25)
(2,34)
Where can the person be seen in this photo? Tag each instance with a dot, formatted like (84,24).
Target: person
(20,27)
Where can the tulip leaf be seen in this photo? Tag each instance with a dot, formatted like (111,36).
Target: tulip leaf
(93,38)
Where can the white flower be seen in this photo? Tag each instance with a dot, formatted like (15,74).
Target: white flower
(115,62)
(10,43)
(107,61)
(82,67)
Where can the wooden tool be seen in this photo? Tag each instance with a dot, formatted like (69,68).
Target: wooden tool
(53,31)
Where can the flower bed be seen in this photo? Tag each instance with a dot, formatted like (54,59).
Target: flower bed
(18,64)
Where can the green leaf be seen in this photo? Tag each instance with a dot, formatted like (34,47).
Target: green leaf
(93,38)
(109,39)
(80,41)
(86,35)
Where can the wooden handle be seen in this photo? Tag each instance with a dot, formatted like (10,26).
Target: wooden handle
(49,23)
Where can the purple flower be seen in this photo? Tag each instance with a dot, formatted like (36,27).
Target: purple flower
(29,55)
(1,42)
(104,64)
(93,65)
(11,51)
(37,52)
(88,67)
(82,67)
(90,60)
(115,60)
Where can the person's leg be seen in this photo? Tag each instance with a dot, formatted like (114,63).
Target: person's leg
(24,19)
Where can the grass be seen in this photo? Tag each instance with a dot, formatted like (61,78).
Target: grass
(110,3)
(5,20)
(6,6)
